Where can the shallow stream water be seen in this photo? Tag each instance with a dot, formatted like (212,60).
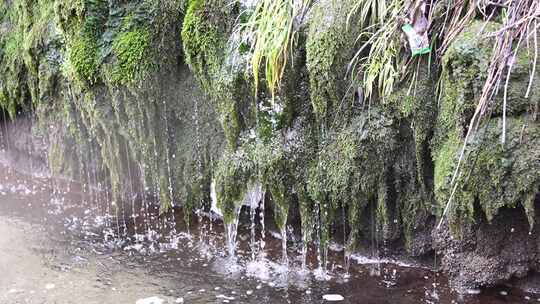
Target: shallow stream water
(58,246)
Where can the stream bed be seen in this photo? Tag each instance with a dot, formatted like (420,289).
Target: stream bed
(57,246)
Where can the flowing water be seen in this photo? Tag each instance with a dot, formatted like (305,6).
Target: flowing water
(57,246)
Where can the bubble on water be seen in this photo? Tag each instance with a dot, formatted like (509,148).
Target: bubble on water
(333,297)
(151,300)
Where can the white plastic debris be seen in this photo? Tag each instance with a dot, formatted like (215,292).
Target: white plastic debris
(333,297)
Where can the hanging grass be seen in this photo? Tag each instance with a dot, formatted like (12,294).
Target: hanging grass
(271,34)
(377,62)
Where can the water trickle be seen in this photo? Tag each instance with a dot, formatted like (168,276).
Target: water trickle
(284,257)
(131,193)
(169,174)
(254,197)
(231,229)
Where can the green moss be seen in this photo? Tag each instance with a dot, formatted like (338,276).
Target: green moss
(203,45)
(492,175)
(84,58)
(131,49)
(329,49)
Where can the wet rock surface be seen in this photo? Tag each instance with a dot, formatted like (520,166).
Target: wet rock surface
(493,253)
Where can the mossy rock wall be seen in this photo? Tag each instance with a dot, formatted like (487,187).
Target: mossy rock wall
(495,174)
(156,98)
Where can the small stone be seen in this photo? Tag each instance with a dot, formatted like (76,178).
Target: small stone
(259,286)
(217,288)
(49,286)
(333,297)
(527,298)
(249,292)
(308,291)
(179,300)
(503,293)
(151,300)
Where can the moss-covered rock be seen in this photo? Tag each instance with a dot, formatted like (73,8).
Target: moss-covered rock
(493,175)
(329,48)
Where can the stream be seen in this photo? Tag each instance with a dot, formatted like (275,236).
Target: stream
(58,246)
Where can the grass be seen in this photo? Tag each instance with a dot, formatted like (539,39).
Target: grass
(377,62)
(270,31)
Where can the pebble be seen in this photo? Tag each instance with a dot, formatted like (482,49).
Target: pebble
(151,300)
(308,291)
(503,293)
(249,292)
(527,298)
(179,300)
(217,288)
(49,286)
(333,297)
(259,286)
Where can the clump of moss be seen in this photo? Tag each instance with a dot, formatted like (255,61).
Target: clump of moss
(83,32)
(233,174)
(493,175)
(84,58)
(329,49)
(131,49)
(359,165)
(203,44)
